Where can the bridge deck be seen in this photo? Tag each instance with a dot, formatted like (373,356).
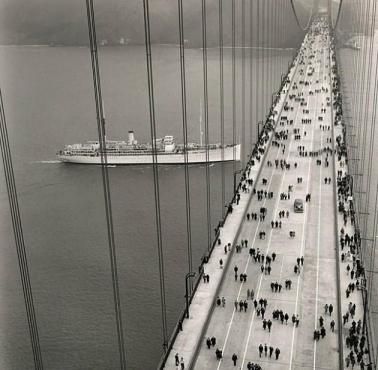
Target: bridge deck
(241,332)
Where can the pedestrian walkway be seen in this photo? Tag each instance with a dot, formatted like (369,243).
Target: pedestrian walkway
(351,271)
(273,297)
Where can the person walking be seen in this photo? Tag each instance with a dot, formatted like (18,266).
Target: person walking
(245,304)
(182,363)
(271,349)
(266,350)
(332,325)
(277,352)
(261,348)
(177,359)
(326,309)
(330,309)
(262,312)
(208,343)
(234,358)
(323,332)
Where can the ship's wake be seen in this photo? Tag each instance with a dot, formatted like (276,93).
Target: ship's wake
(48,162)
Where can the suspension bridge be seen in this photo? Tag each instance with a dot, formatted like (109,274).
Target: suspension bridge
(288,280)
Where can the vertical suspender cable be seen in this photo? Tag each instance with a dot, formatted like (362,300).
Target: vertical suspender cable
(368,190)
(366,117)
(151,101)
(221,96)
(279,32)
(19,239)
(268,55)
(257,90)
(373,250)
(263,85)
(282,36)
(275,48)
(206,104)
(243,151)
(233,88)
(271,47)
(251,75)
(356,102)
(275,54)
(357,83)
(356,11)
(365,84)
(105,179)
(185,135)
(363,104)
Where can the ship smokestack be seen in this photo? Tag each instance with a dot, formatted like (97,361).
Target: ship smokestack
(131,138)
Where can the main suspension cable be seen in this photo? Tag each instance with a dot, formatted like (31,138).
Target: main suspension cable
(297,19)
(338,16)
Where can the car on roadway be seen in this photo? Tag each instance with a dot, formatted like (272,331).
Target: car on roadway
(298,206)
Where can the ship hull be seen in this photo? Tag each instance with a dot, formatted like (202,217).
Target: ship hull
(194,156)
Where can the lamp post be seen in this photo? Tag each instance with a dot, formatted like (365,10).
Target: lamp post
(187,277)
(273,97)
(258,129)
(235,173)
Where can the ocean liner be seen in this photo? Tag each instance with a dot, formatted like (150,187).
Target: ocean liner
(131,152)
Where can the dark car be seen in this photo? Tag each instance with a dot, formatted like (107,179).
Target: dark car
(298,206)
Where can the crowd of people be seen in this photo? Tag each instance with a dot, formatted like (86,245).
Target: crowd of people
(357,351)
(349,240)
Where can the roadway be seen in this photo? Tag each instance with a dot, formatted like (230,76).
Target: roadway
(242,332)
